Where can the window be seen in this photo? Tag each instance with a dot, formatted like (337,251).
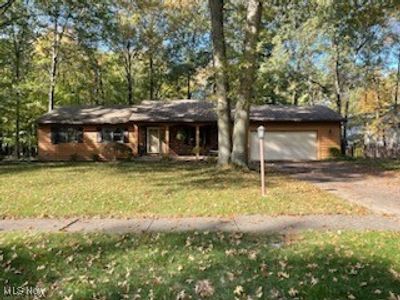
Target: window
(61,135)
(111,134)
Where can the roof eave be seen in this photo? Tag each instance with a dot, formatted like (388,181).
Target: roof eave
(295,120)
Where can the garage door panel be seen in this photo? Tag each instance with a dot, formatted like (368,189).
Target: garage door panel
(286,145)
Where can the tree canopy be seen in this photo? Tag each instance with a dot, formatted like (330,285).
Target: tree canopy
(344,54)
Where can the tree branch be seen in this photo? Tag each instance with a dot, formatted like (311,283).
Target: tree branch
(6,5)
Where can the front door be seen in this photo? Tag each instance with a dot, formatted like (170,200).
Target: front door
(153,140)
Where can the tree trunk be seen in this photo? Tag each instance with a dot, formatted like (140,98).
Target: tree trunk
(17,126)
(130,90)
(339,97)
(101,86)
(151,77)
(188,92)
(246,83)
(344,135)
(54,64)
(98,82)
(338,86)
(128,69)
(396,92)
(53,72)
(55,50)
(295,97)
(221,82)
(16,86)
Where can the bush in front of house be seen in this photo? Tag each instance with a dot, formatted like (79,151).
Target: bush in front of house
(335,153)
(197,150)
(116,151)
(96,157)
(74,157)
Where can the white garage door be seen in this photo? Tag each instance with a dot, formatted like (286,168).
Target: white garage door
(285,145)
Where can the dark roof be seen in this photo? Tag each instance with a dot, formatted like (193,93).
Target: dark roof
(174,111)
(87,115)
(180,111)
(293,113)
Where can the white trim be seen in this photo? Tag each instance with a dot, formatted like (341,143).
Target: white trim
(148,148)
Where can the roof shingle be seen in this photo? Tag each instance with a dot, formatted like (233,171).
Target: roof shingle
(180,111)
(293,113)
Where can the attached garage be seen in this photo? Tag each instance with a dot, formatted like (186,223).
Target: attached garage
(286,145)
(294,133)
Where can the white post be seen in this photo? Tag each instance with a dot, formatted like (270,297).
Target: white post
(260,132)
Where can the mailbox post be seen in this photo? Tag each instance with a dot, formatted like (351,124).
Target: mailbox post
(260,133)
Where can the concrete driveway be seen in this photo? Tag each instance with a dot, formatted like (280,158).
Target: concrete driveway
(375,189)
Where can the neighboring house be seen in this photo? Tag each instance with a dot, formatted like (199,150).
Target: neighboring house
(182,127)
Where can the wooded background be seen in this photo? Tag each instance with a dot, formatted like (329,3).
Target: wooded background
(344,54)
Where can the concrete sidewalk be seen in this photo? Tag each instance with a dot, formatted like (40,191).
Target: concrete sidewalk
(249,224)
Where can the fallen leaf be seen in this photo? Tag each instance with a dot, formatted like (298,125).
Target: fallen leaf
(238,290)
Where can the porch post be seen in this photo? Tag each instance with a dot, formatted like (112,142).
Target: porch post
(197,141)
(166,150)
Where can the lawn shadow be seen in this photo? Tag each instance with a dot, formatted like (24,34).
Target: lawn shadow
(28,167)
(161,265)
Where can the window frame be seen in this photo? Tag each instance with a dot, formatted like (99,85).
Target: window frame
(110,132)
(67,135)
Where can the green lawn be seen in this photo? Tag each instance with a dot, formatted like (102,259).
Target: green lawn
(312,265)
(139,189)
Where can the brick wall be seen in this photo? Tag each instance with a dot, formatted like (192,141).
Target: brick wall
(82,151)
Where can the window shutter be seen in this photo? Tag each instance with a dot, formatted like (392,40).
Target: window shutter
(99,135)
(126,135)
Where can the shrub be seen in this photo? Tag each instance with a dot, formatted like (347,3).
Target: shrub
(166,157)
(96,157)
(212,159)
(197,150)
(74,157)
(117,151)
(335,152)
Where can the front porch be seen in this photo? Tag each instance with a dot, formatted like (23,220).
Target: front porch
(187,140)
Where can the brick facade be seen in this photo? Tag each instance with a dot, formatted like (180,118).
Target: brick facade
(81,151)
(328,136)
